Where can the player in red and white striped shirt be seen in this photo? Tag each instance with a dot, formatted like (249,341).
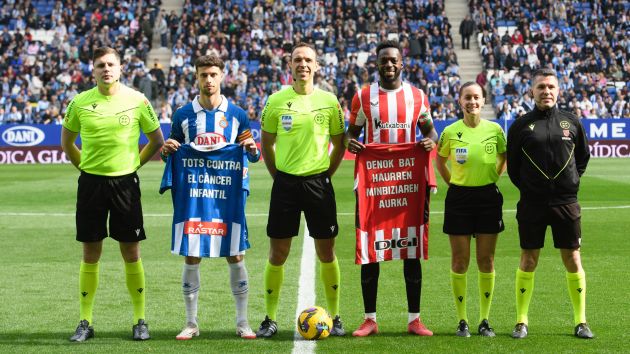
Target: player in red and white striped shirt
(390,111)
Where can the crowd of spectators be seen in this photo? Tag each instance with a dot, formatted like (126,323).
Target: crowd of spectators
(253,38)
(47,45)
(587,43)
(256,44)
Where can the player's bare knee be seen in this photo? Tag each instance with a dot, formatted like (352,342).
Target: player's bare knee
(192,260)
(485,263)
(92,252)
(528,264)
(234,259)
(572,260)
(130,251)
(459,265)
(277,256)
(326,257)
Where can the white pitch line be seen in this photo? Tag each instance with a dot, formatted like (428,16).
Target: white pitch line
(306,292)
(7,213)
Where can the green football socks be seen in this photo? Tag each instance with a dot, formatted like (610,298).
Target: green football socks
(524,290)
(330,275)
(576,283)
(88,282)
(459,284)
(486,290)
(274,276)
(135,285)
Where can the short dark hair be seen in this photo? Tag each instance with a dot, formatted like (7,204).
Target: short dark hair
(388,44)
(209,60)
(544,72)
(471,83)
(303,44)
(102,51)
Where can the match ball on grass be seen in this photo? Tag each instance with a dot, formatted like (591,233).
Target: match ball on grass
(314,323)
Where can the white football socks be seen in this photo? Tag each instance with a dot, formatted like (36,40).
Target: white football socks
(412,316)
(239,283)
(190,288)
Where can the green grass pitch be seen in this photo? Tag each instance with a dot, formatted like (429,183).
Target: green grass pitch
(40,262)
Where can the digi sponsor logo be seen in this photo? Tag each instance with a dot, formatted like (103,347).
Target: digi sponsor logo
(384,245)
(23,135)
(211,228)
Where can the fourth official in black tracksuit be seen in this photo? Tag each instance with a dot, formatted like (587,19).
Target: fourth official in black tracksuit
(547,153)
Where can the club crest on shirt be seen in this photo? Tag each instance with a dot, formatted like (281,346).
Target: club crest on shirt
(287,122)
(223,123)
(564,124)
(461,155)
(124,120)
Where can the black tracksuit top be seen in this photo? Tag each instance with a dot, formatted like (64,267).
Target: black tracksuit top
(547,153)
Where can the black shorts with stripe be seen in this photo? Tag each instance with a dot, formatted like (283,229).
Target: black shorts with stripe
(473,210)
(117,197)
(314,195)
(565,222)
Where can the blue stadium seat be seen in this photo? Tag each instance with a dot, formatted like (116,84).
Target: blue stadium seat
(579,42)
(436,99)
(498,99)
(612,90)
(510,23)
(12,24)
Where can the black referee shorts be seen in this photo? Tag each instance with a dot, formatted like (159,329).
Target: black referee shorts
(473,210)
(118,197)
(290,195)
(565,222)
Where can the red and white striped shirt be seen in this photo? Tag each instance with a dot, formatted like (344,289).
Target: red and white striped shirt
(390,117)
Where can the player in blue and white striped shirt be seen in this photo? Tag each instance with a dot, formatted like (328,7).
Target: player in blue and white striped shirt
(211,120)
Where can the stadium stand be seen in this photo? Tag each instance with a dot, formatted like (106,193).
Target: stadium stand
(587,43)
(47,45)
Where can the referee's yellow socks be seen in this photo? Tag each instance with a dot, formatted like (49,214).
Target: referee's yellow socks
(330,275)
(524,289)
(486,290)
(135,285)
(576,283)
(459,284)
(88,282)
(274,276)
